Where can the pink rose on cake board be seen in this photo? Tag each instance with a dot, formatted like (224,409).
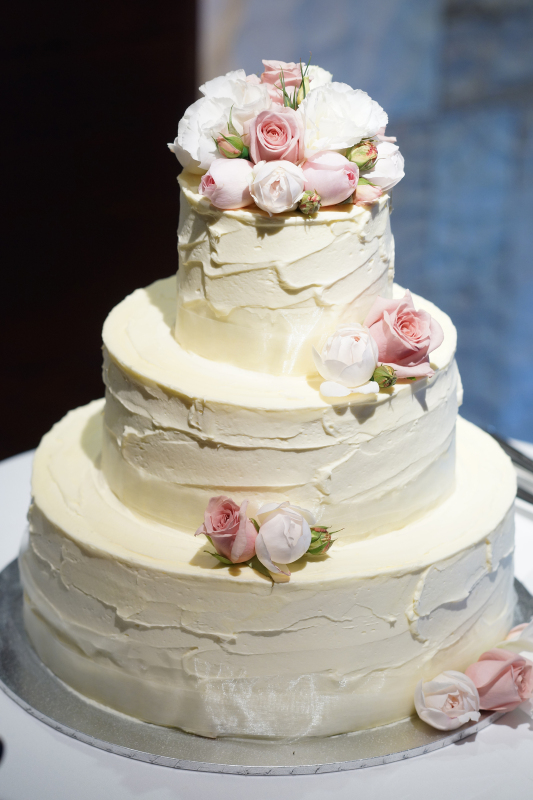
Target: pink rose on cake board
(232,533)
(405,337)
(276,134)
(448,701)
(503,679)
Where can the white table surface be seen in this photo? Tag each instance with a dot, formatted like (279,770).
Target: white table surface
(41,764)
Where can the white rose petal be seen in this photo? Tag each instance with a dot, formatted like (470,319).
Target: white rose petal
(349,357)
(337,116)
(202,122)
(448,701)
(284,535)
(318,76)
(277,186)
(388,169)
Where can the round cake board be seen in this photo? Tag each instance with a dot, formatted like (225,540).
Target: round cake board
(26,680)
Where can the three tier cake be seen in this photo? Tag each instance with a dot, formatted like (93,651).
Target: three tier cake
(285,398)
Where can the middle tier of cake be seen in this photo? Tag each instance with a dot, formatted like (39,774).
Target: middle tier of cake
(180,429)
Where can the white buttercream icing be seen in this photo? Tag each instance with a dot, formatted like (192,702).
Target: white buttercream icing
(256,291)
(180,429)
(135,615)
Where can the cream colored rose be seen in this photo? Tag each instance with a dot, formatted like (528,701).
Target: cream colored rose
(277,186)
(284,535)
(347,362)
(448,701)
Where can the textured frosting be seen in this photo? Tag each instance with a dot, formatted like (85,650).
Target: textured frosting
(181,429)
(255,291)
(135,615)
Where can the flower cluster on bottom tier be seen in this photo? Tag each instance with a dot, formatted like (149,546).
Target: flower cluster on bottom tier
(134,614)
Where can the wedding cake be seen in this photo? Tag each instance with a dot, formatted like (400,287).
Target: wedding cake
(274,525)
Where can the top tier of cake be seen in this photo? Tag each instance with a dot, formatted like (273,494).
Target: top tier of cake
(256,291)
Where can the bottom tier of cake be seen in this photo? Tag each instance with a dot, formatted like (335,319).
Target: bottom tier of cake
(137,616)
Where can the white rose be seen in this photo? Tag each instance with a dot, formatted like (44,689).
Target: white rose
(448,701)
(203,122)
(388,169)
(337,116)
(277,186)
(318,76)
(284,535)
(348,361)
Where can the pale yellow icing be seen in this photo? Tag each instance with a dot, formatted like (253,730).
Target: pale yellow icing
(181,429)
(135,615)
(256,291)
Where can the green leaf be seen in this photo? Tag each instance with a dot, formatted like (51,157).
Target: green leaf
(222,559)
(245,152)
(231,127)
(254,563)
(364,182)
(255,524)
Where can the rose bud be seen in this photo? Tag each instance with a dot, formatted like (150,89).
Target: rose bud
(284,535)
(448,701)
(321,541)
(384,376)
(331,175)
(363,154)
(276,186)
(347,362)
(232,146)
(227,183)
(366,193)
(502,678)
(310,202)
(230,531)
(303,91)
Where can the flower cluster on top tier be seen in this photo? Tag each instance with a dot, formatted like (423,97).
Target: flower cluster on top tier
(394,343)
(291,138)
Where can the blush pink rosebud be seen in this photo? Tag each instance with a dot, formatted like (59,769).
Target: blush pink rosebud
(276,135)
(503,679)
(225,523)
(366,193)
(404,336)
(331,175)
(292,77)
(227,183)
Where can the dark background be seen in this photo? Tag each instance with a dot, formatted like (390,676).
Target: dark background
(91,94)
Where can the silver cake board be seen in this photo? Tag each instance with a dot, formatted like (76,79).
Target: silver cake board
(26,680)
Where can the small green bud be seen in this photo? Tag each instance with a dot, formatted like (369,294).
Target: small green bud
(364,154)
(231,146)
(310,202)
(384,376)
(321,541)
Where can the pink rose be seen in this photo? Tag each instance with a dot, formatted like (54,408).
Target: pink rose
(232,533)
(276,135)
(227,183)
(292,77)
(331,175)
(366,193)
(503,679)
(404,336)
